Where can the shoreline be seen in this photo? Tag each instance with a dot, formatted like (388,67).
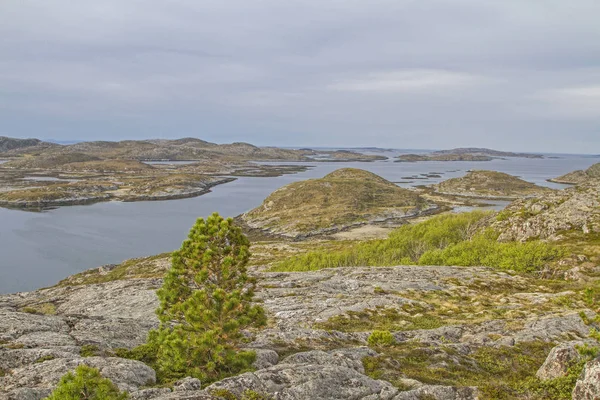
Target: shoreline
(44,205)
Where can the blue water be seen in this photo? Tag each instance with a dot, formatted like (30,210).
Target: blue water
(38,249)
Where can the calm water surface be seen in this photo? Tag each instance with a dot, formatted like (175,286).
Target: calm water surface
(38,249)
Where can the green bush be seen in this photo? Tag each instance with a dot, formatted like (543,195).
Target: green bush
(205,303)
(452,239)
(86,383)
(405,245)
(381,338)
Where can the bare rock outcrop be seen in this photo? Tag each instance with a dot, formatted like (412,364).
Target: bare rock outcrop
(588,384)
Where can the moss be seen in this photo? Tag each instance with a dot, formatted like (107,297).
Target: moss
(47,357)
(89,350)
(252,395)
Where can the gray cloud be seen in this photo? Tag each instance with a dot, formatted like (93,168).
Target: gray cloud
(401,73)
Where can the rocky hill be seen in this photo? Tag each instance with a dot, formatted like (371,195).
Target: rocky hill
(579,176)
(346,197)
(7,144)
(490,184)
(553,216)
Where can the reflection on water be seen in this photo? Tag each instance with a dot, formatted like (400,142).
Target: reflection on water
(38,249)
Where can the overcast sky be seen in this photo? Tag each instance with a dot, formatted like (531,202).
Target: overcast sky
(506,74)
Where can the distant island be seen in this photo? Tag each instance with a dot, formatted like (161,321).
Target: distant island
(38,174)
(463,154)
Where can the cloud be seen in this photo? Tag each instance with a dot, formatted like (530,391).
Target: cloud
(574,102)
(399,73)
(413,80)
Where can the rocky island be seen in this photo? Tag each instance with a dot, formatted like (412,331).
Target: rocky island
(40,175)
(579,176)
(344,198)
(463,154)
(490,185)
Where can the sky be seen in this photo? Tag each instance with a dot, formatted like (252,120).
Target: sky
(521,75)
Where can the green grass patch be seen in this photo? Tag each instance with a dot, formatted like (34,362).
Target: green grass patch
(452,239)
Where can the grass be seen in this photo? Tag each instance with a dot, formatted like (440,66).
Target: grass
(145,267)
(499,373)
(411,317)
(43,308)
(452,239)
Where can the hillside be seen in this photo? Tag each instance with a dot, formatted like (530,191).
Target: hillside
(49,161)
(12,144)
(342,198)
(579,176)
(490,184)
(560,214)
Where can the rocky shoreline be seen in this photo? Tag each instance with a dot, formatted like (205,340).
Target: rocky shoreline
(44,204)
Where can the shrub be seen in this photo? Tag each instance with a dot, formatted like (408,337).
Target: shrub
(381,338)
(453,239)
(205,303)
(86,383)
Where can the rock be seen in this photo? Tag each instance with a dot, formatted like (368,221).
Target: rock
(264,358)
(16,324)
(558,361)
(588,384)
(575,274)
(187,384)
(308,381)
(15,358)
(318,357)
(572,209)
(126,374)
(435,392)
(152,393)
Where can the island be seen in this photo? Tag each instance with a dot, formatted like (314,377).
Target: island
(39,175)
(345,198)
(463,154)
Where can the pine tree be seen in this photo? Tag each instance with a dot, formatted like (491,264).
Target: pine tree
(86,384)
(205,303)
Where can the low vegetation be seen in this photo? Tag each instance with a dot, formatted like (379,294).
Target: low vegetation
(453,239)
(86,383)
